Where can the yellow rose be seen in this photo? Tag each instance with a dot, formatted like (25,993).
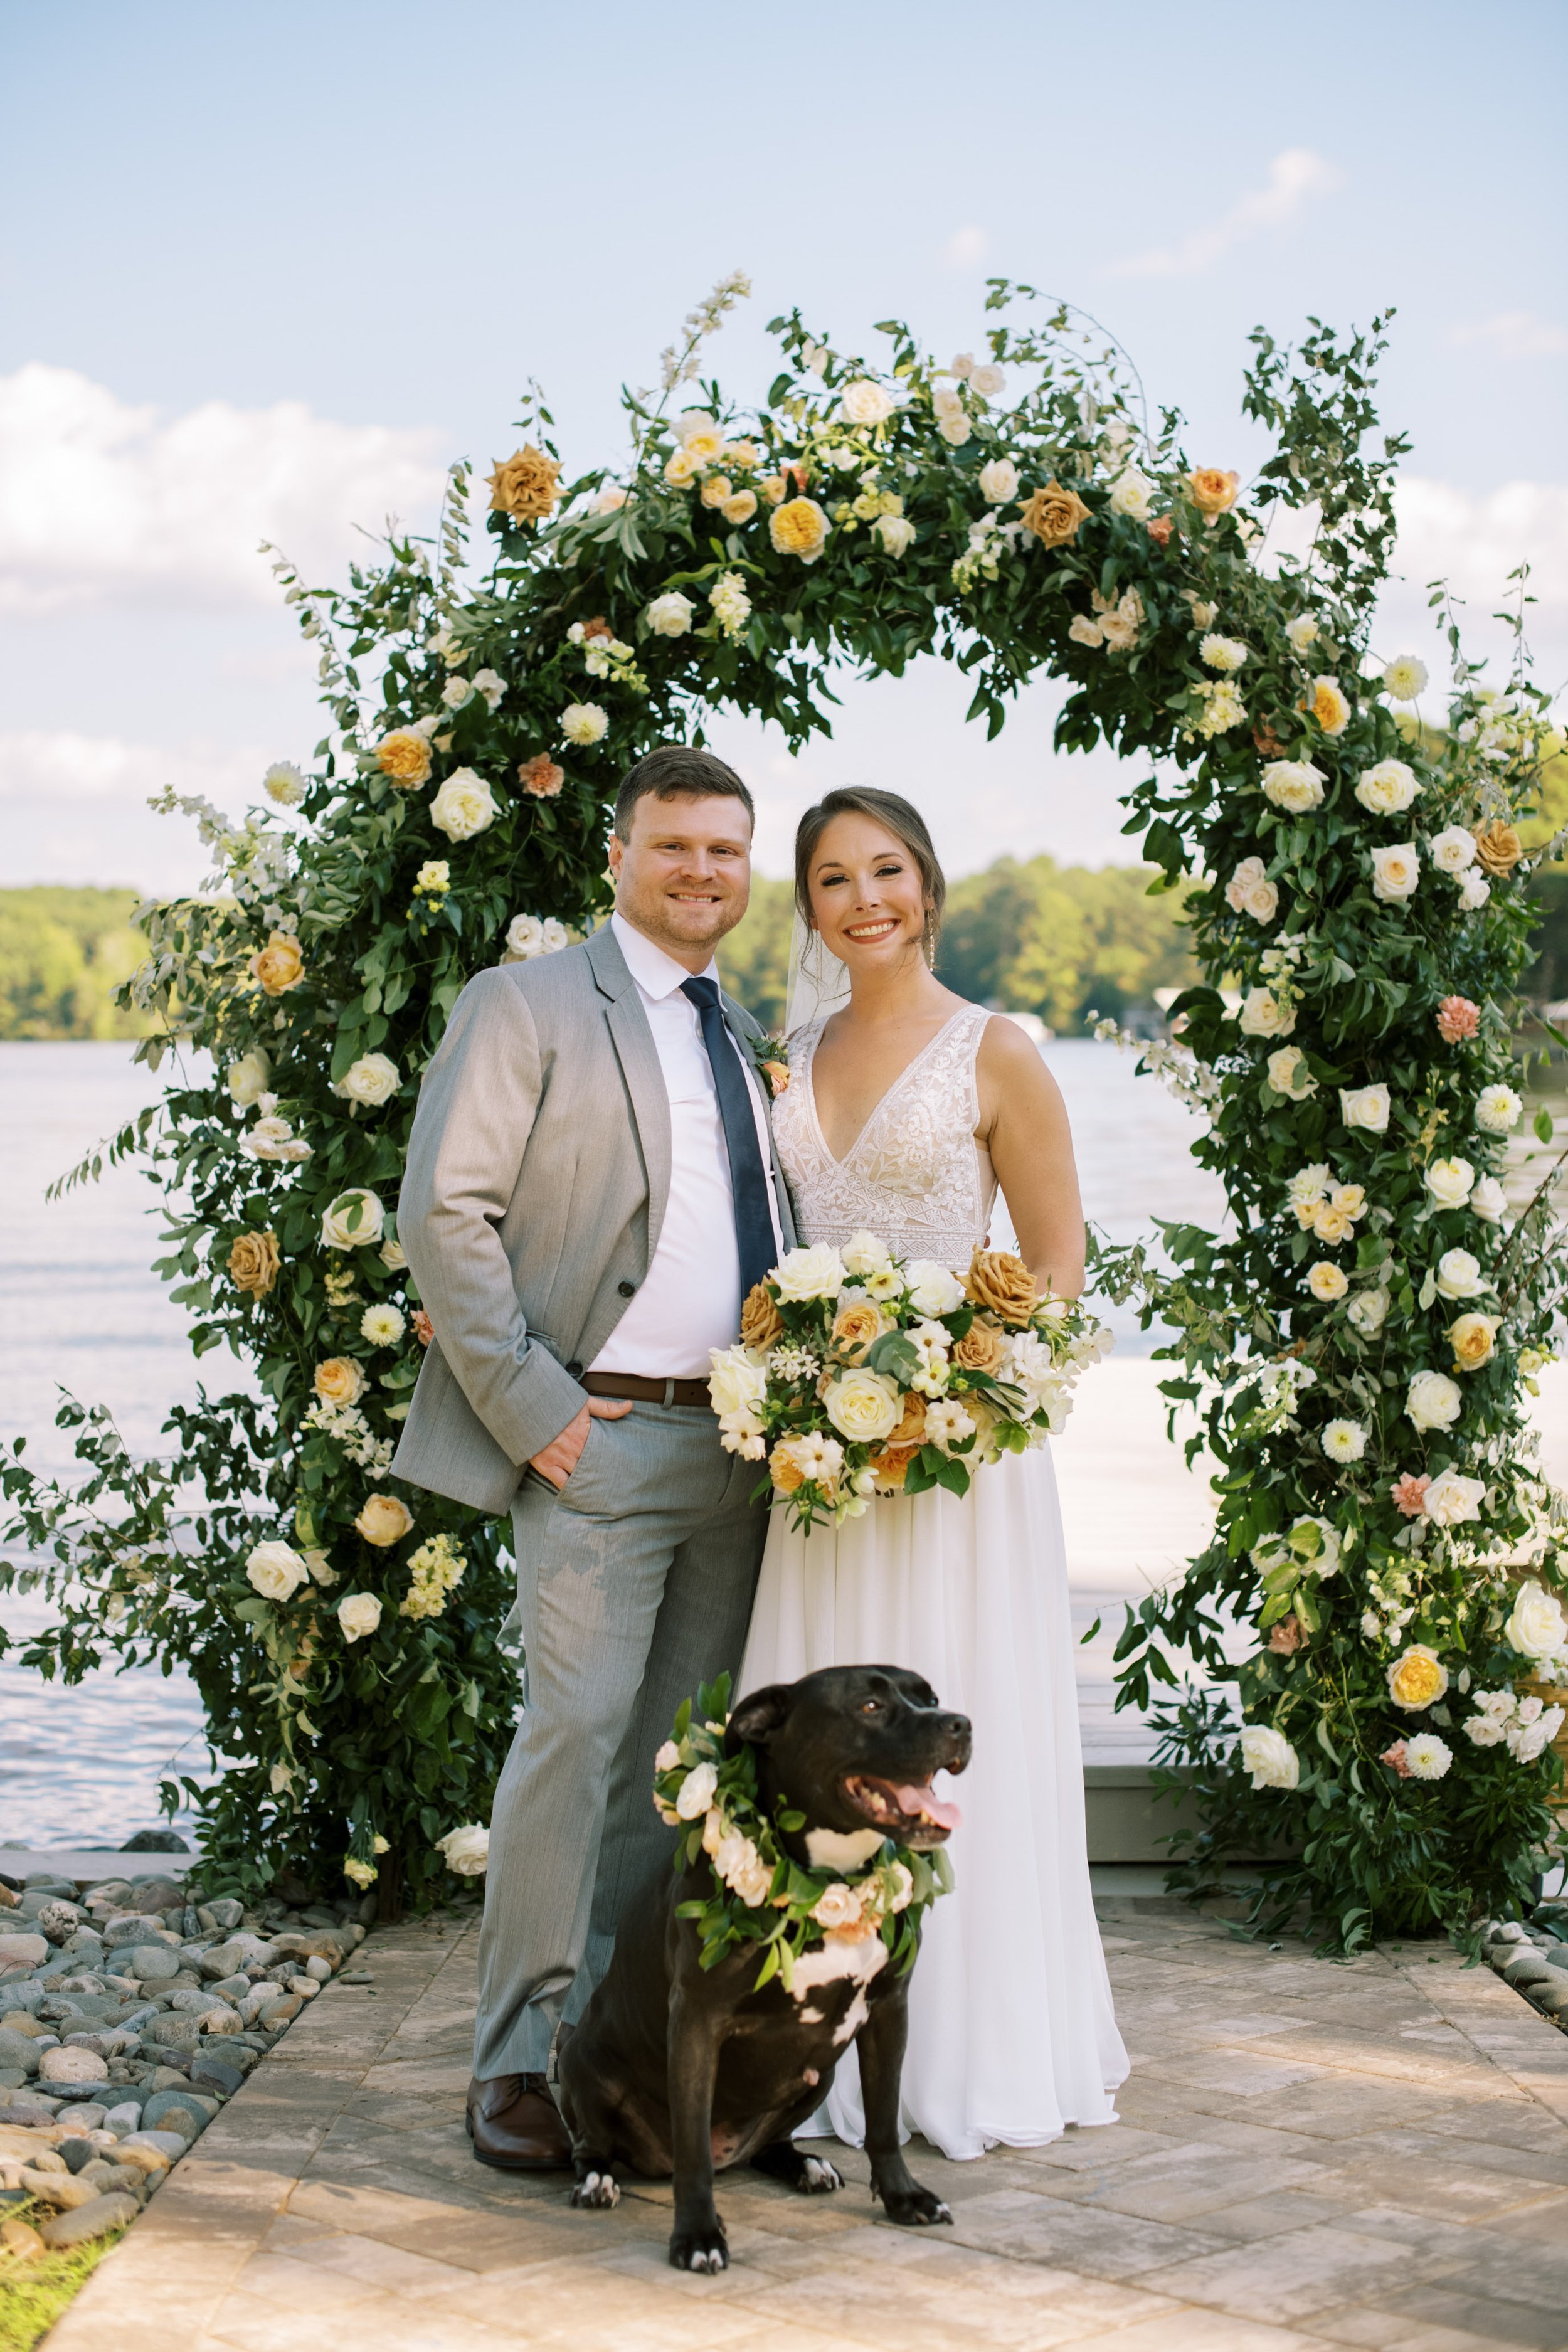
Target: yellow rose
(716,490)
(774,488)
(1212,491)
(855,1330)
(281,965)
(799,528)
(1497,847)
(404,756)
(741,508)
(683,468)
(253,1263)
(524,484)
(1328,707)
(979,1350)
(1416,1678)
(1331,1222)
(785,1470)
(1473,1339)
(761,1321)
(339,1380)
(1053,514)
(1000,1284)
(384,1520)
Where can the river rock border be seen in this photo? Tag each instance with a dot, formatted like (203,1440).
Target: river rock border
(1535,1963)
(130,2011)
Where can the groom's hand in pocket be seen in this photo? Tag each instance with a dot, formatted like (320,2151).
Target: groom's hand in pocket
(559,1458)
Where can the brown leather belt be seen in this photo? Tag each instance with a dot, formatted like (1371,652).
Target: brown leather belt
(644,1392)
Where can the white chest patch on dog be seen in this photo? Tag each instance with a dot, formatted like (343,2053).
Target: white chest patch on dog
(859,1961)
(842,1849)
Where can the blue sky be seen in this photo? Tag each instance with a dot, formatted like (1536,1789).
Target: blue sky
(304,254)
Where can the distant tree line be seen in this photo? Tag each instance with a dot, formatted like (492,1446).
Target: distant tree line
(62,954)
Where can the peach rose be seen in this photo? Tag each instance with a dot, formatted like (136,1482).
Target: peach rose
(1458,1017)
(1497,847)
(281,964)
(1160,530)
(776,1075)
(891,1466)
(384,1520)
(1213,492)
(524,484)
(1408,1492)
(909,1429)
(761,1321)
(1053,514)
(253,1263)
(424,1329)
(785,1470)
(1285,1638)
(404,756)
(541,776)
(1000,1284)
(855,1329)
(980,1349)
(339,1380)
(1395,1758)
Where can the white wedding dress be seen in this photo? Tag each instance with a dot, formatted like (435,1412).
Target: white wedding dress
(1012,2031)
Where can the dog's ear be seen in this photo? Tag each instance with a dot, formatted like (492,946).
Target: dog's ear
(760,1713)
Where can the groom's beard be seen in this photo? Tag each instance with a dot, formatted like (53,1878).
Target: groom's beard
(673,921)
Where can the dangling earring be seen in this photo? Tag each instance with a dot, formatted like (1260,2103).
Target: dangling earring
(931,940)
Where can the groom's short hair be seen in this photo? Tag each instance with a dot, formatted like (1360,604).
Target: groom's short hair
(673,771)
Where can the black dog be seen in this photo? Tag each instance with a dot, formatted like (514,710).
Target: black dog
(678,2069)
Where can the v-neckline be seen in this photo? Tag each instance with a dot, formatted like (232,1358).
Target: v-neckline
(883,1098)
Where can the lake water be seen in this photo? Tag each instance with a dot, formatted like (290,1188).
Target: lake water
(83,1312)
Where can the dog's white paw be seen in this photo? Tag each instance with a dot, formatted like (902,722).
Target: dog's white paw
(819,2176)
(713,2261)
(597,2190)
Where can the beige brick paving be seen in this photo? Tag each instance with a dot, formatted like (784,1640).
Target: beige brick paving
(1372,2154)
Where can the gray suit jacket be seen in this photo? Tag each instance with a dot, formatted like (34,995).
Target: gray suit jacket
(537,1177)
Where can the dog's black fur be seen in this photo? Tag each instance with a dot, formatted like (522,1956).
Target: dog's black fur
(678,2069)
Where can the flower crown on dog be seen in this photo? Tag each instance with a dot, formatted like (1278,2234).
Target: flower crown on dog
(706,1785)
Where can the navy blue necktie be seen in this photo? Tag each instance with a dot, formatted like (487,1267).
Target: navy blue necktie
(748,1177)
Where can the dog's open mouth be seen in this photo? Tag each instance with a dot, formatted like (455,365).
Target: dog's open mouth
(915,1816)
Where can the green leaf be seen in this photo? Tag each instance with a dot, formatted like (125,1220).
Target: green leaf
(1541,1123)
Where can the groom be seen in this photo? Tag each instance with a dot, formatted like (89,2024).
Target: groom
(589,1192)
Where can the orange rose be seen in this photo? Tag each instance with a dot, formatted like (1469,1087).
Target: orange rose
(541,776)
(1497,847)
(1053,514)
(1267,741)
(1000,1284)
(776,1075)
(856,1329)
(1212,491)
(404,756)
(524,484)
(253,1263)
(911,1429)
(281,965)
(785,1471)
(1160,530)
(980,1349)
(761,1321)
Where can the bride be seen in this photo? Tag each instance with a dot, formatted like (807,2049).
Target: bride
(903,1113)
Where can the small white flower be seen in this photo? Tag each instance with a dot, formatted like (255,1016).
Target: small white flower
(1433,1401)
(583,723)
(358,1613)
(1307,1188)
(1450,1182)
(1294,784)
(1427,1758)
(1459,1275)
(669,615)
(382,1326)
(1222,653)
(1405,678)
(1268,1756)
(1301,632)
(1497,1109)
(1343,1441)
(1396,871)
(1454,849)
(1367,1107)
(947,1423)
(1488,1200)
(863,1254)
(284,784)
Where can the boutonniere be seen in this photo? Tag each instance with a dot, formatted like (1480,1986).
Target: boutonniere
(773,1060)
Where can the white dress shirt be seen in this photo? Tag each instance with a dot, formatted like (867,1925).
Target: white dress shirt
(690,1298)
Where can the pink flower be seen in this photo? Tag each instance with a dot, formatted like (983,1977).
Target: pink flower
(1458,1018)
(1409,1494)
(424,1329)
(541,776)
(1288,1636)
(1395,1756)
(1160,530)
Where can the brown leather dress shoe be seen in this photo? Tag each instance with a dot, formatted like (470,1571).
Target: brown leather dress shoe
(513,2123)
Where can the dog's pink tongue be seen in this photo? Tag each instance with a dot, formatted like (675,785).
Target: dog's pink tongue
(935,1808)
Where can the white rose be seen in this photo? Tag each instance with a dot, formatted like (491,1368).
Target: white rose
(583,723)
(276,1569)
(666,1757)
(863,1406)
(1451,1499)
(863,1254)
(455,692)
(865,403)
(1369,1311)
(1249,891)
(933,1289)
(1365,1106)
(274,1138)
(464,805)
(1459,1275)
(895,532)
(1428,1758)
(998,481)
(1434,1401)
(738,1381)
(1263,1016)
(697,1792)
(250,1077)
(1453,850)
(393,1256)
(987,380)
(1396,871)
(353,1220)
(372,1080)
(358,1613)
(1288,1074)
(1294,784)
(1488,1200)
(669,615)
(1474,892)
(1388,788)
(1301,632)
(954,426)
(1497,1109)
(1132,494)
(1450,1182)
(1268,1756)
(1536,1625)
(815,1273)
(466,1850)
(491,685)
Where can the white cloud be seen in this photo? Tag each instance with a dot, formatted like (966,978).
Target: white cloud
(1515,335)
(41,765)
(99,501)
(1295,177)
(73,806)
(966,248)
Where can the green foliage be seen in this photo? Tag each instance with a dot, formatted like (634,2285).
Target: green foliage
(63,954)
(869,530)
(33,2294)
(1064,941)
(754,960)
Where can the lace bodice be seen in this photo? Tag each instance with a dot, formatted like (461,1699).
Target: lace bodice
(914,1176)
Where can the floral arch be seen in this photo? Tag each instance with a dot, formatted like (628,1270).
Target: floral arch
(1382,1575)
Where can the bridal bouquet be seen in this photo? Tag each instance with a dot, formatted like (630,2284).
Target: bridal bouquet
(858,1373)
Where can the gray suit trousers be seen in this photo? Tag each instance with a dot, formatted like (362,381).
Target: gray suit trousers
(634,1585)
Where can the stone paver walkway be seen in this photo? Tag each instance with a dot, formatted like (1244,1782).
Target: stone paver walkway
(1371,2154)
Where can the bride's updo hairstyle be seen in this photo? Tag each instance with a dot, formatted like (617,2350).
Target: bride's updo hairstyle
(904,822)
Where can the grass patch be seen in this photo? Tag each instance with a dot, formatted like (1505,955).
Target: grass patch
(34,2294)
